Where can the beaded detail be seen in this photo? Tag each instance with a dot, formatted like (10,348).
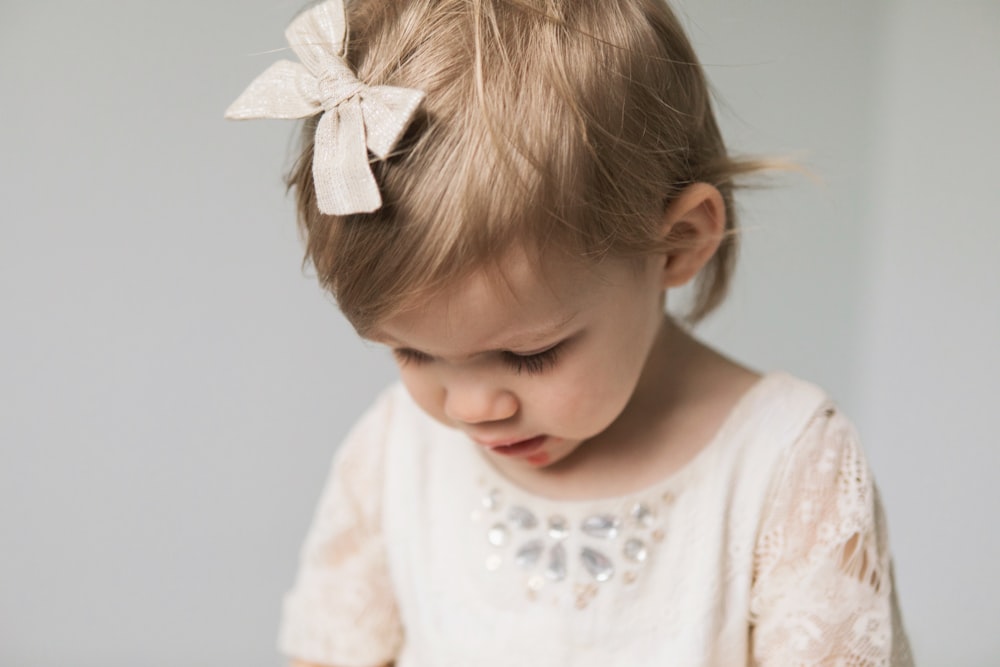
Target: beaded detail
(548,550)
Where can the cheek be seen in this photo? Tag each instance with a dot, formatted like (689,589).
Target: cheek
(607,378)
(592,393)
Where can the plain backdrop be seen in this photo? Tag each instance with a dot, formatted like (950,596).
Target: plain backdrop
(173,383)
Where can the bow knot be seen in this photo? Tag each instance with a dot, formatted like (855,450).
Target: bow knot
(337,86)
(356,118)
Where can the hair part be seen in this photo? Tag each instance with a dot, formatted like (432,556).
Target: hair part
(548,126)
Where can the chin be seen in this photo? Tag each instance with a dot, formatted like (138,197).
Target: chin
(540,460)
(550,457)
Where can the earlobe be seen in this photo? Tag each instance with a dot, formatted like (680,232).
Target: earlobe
(693,226)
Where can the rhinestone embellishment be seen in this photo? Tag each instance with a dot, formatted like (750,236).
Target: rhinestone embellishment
(491,500)
(602,526)
(529,554)
(522,518)
(556,569)
(635,550)
(558,528)
(553,553)
(599,565)
(498,535)
(643,515)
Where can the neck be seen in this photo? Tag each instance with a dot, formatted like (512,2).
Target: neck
(664,379)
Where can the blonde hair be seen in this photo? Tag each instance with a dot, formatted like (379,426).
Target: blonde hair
(548,125)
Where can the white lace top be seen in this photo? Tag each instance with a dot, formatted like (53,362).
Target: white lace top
(769,548)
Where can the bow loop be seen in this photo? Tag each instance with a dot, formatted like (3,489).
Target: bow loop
(356,117)
(394,107)
(318,36)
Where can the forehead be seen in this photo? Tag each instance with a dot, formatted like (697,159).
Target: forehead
(523,302)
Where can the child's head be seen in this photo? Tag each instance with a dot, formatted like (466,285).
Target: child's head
(557,130)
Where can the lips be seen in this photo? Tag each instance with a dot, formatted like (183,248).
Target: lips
(515,447)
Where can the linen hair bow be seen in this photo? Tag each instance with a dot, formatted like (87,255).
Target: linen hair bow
(356,117)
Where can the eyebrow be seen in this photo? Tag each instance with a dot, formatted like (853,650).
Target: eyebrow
(517,341)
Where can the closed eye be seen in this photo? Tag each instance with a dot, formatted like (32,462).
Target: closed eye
(407,356)
(533,364)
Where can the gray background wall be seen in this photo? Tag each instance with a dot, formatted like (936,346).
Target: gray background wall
(172,385)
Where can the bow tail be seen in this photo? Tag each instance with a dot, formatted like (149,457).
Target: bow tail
(343,176)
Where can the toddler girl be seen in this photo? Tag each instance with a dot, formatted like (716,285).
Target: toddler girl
(503,192)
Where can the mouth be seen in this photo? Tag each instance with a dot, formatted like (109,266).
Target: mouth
(517,448)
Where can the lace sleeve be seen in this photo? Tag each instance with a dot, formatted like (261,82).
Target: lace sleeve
(823,591)
(341,610)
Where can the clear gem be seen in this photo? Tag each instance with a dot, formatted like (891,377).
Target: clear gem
(493,562)
(556,569)
(599,565)
(558,528)
(522,518)
(529,554)
(635,550)
(491,500)
(536,582)
(498,535)
(643,515)
(603,526)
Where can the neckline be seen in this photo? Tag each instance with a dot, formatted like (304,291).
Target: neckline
(672,482)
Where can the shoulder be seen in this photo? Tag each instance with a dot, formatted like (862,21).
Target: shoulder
(362,451)
(391,407)
(776,417)
(787,438)
(785,403)
(819,432)
(394,404)
(393,434)
(793,420)
(750,455)
(808,430)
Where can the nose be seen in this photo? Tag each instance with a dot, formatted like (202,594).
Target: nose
(477,404)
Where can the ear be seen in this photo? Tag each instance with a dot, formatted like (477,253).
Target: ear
(694,225)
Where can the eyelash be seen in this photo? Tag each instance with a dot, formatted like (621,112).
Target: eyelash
(533,364)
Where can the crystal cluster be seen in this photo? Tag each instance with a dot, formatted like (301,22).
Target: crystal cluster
(540,546)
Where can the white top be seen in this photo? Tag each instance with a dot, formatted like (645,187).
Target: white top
(768,548)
